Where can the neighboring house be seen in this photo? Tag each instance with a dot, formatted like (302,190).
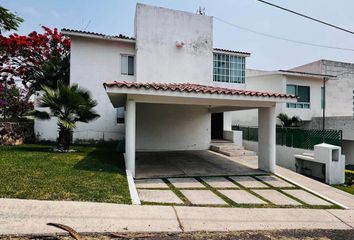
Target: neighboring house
(307,86)
(339,100)
(307,81)
(166,88)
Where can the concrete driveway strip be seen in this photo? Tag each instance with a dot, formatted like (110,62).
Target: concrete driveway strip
(31,216)
(235,219)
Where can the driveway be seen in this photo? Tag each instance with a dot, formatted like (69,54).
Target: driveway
(188,163)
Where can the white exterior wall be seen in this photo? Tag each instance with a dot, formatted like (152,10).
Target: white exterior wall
(315,98)
(164,127)
(159,60)
(277,83)
(284,155)
(93,62)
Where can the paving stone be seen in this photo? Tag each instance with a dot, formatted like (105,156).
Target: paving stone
(158,196)
(219,182)
(242,197)
(203,197)
(249,182)
(150,183)
(275,181)
(307,197)
(186,183)
(276,197)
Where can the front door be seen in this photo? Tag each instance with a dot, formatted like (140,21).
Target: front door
(217,125)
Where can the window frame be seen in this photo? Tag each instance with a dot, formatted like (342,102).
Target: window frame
(301,105)
(229,68)
(126,64)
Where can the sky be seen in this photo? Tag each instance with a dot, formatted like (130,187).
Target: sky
(117,16)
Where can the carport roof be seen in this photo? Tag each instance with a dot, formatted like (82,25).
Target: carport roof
(195,88)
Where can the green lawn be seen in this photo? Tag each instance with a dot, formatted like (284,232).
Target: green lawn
(94,173)
(349,189)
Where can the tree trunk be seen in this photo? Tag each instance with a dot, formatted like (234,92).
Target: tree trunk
(64,139)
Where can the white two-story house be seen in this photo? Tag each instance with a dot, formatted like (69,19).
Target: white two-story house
(165,89)
(324,87)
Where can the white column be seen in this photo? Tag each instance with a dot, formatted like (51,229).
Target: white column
(227,121)
(266,139)
(130,124)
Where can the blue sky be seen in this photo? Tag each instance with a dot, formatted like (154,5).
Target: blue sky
(117,16)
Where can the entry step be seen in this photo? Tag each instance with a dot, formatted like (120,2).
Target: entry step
(225,146)
(231,150)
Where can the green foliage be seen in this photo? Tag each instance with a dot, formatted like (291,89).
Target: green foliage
(93,173)
(295,121)
(69,104)
(9,21)
(13,105)
(349,177)
(49,73)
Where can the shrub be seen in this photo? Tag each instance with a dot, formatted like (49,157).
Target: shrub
(349,177)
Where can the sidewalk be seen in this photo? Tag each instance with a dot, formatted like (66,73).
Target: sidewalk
(31,216)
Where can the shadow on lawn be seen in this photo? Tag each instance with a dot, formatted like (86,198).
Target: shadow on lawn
(32,148)
(102,159)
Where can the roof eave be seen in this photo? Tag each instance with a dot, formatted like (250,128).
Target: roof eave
(241,54)
(312,75)
(168,93)
(92,36)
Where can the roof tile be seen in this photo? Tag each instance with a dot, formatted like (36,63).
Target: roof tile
(197,88)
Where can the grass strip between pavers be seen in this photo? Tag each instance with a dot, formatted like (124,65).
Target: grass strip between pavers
(231,203)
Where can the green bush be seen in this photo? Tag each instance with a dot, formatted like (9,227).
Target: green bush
(349,177)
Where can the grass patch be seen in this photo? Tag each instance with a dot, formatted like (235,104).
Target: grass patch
(33,171)
(346,188)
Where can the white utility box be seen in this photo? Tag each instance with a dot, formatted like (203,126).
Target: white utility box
(327,163)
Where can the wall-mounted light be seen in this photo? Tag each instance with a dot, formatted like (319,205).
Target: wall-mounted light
(179,43)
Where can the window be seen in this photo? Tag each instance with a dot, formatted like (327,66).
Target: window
(303,92)
(323,103)
(228,68)
(127,65)
(120,115)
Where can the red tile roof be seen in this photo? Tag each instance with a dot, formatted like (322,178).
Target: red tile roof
(194,88)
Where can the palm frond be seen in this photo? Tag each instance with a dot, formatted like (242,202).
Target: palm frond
(43,115)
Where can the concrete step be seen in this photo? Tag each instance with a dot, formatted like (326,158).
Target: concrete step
(246,157)
(217,148)
(236,153)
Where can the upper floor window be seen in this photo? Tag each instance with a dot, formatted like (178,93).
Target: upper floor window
(127,65)
(229,68)
(303,92)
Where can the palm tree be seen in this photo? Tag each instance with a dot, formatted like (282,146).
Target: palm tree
(69,104)
(295,121)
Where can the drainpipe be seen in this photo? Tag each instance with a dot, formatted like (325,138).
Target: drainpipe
(324,109)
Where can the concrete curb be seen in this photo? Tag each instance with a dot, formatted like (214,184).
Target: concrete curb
(132,189)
